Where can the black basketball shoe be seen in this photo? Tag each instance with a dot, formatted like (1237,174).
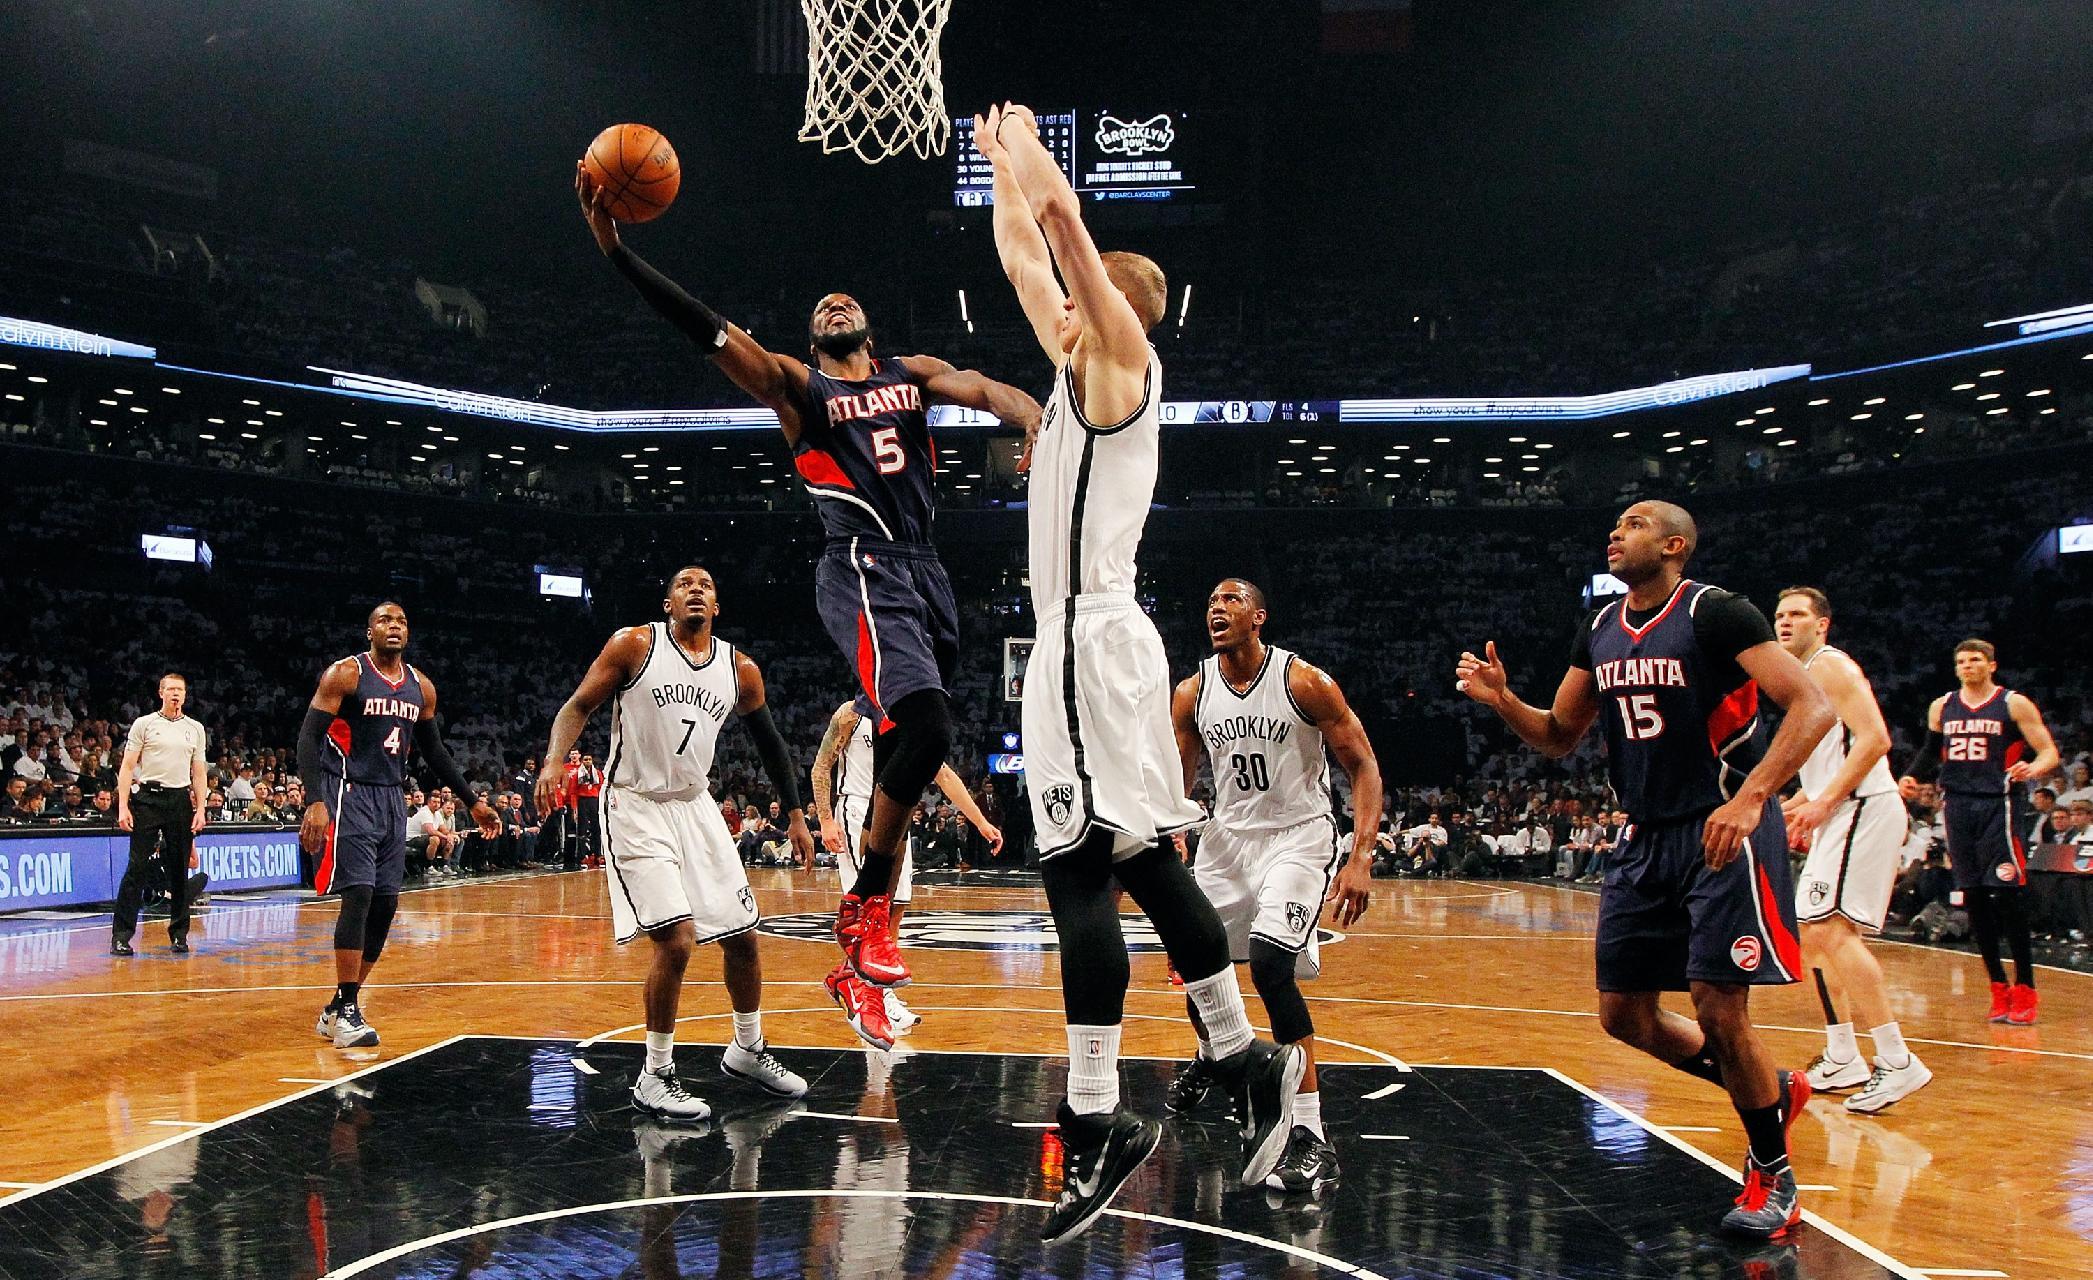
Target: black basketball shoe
(1193,1086)
(1099,1154)
(1262,1080)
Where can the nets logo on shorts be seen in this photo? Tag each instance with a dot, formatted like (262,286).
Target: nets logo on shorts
(1818,891)
(1059,801)
(976,930)
(1746,953)
(1296,916)
(748,899)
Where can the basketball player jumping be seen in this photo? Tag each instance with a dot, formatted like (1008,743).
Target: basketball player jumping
(352,755)
(674,872)
(861,443)
(1976,738)
(842,796)
(1261,717)
(1100,762)
(1697,896)
(1848,817)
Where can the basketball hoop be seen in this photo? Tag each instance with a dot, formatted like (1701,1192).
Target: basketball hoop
(874,82)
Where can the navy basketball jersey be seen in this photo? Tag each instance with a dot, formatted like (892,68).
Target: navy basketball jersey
(866,455)
(1681,721)
(1978,744)
(374,730)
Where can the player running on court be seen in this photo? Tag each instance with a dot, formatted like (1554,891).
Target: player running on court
(861,443)
(368,712)
(673,870)
(1268,859)
(1697,897)
(1847,816)
(1976,739)
(843,770)
(1100,761)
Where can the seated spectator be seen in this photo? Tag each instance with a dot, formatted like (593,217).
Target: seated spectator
(263,807)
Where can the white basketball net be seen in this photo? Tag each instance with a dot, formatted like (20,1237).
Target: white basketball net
(874,82)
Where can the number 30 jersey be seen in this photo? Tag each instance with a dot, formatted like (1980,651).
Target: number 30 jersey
(666,721)
(1681,717)
(866,456)
(1270,771)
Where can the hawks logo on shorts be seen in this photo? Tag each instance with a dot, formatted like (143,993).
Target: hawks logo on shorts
(1059,801)
(1745,952)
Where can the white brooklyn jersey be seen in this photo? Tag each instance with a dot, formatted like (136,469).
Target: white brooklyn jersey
(1270,772)
(1089,492)
(854,764)
(1829,758)
(664,724)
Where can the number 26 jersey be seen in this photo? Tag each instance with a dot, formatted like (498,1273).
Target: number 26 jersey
(1270,772)
(1680,716)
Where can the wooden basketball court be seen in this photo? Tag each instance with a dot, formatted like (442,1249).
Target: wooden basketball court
(1989,1171)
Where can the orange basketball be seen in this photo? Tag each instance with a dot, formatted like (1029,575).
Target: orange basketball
(637,170)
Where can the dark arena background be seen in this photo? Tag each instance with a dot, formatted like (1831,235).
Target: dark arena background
(298,315)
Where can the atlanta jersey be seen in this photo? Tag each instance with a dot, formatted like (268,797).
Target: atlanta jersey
(1089,492)
(665,723)
(374,729)
(1828,760)
(1681,718)
(1978,744)
(1270,771)
(866,455)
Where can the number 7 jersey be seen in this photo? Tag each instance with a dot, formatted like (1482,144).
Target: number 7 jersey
(1270,771)
(666,721)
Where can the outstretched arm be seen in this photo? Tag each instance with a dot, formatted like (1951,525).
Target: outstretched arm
(777,381)
(947,384)
(1555,732)
(1026,260)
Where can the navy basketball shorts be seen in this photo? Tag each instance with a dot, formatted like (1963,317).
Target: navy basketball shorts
(1983,849)
(367,844)
(1666,920)
(888,606)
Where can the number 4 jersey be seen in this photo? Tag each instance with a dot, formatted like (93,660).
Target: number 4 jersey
(1681,716)
(374,729)
(1270,772)
(664,724)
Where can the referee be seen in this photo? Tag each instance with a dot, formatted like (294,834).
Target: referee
(164,756)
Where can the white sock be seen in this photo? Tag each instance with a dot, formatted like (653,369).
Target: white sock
(1093,1070)
(1220,1004)
(1206,1049)
(1839,1044)
(748,1029)
(661,1049)
(1889,1045)
(1308,1110)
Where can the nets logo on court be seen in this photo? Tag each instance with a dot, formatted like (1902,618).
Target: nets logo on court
(1745,953)
(1059,801)
(975,931)
(1134,138)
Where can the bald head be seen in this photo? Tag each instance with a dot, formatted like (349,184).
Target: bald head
(1672,521)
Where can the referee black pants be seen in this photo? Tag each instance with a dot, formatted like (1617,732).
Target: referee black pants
(160,817)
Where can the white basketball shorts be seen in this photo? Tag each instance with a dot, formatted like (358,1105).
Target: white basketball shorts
(1270,885)
(1852,863)
(672,860)
(1099,751)
(851,812)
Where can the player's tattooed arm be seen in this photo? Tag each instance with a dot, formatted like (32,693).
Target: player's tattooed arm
(948,384)
(1555,732)
(840,726)
(622,657)
(2029,717)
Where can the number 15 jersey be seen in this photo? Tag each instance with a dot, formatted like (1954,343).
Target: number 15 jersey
(665,723)
(1270,772)
(1681,717)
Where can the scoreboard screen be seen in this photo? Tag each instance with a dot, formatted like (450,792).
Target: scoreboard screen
(1105,153)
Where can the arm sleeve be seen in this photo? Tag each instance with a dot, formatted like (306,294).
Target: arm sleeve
(698,321)
(1925,764)
(777,758)
(1581,643)
(429,743)
(1727,625)
(312,752)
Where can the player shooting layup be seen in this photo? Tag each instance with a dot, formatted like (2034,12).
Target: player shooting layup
(1101,763)
(1697,897)
(861,442)
(673,870)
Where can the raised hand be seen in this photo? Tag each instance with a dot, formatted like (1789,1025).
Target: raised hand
(1481,678)
(595,209)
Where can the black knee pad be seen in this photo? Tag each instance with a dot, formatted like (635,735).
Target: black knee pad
(1272,971)
(349,926)
(375,930)
(922,735)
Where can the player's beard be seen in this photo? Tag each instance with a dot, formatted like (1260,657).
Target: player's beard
(839,346)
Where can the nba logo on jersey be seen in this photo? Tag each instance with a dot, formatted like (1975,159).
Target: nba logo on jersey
(1058,801)
(1744,953)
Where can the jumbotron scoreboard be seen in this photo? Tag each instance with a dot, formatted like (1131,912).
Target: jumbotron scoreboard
(1106,154)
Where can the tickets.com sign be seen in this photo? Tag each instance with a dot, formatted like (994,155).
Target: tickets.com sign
(38,870)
